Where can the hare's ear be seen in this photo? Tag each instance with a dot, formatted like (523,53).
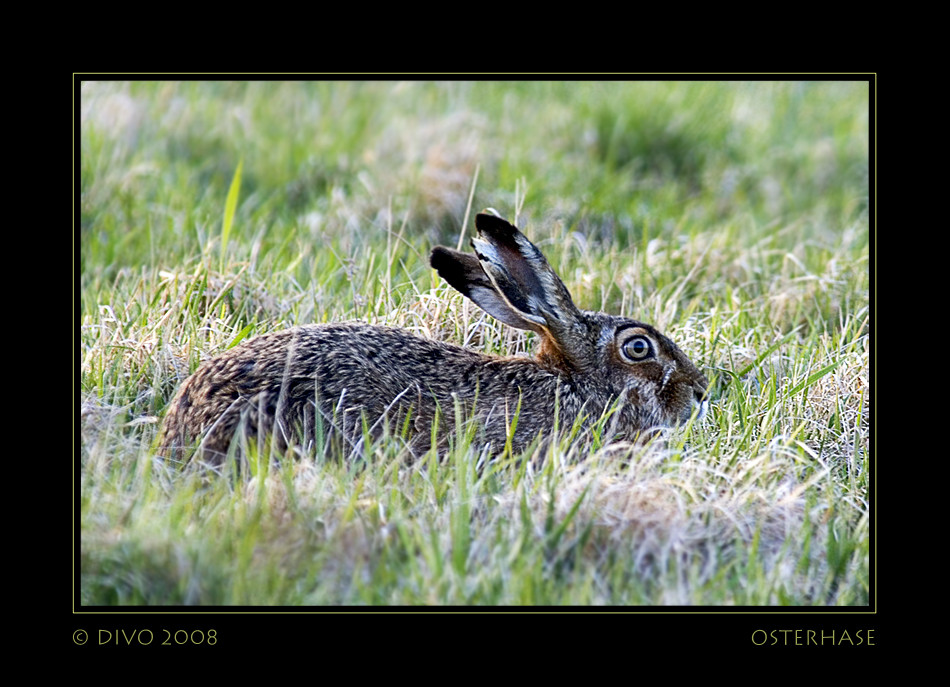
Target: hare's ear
(464,273)
(524,279)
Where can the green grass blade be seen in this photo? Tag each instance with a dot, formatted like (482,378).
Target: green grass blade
(230,206)
(814,377)
(240,336)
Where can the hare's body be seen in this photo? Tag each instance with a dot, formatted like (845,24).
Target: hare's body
(353,373)
(294,384)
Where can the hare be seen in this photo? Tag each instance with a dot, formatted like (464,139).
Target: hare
(293,383)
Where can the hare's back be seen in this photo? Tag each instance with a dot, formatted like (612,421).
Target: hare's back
(365,360)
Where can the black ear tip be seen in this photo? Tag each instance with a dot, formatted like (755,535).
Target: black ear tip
(439,257)
(484,221)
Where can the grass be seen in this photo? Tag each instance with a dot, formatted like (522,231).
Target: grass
(734,216)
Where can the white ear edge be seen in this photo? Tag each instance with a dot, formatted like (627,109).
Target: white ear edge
(495,305)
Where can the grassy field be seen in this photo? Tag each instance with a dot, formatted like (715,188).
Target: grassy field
(734,216)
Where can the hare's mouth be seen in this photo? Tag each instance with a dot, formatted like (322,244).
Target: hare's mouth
(699,406)
(703,408)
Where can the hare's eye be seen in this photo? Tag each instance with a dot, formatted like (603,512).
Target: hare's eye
(638,348)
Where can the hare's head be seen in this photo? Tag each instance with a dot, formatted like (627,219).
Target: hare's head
(602,357)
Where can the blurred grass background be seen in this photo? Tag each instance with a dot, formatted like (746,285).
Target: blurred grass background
(734,215)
